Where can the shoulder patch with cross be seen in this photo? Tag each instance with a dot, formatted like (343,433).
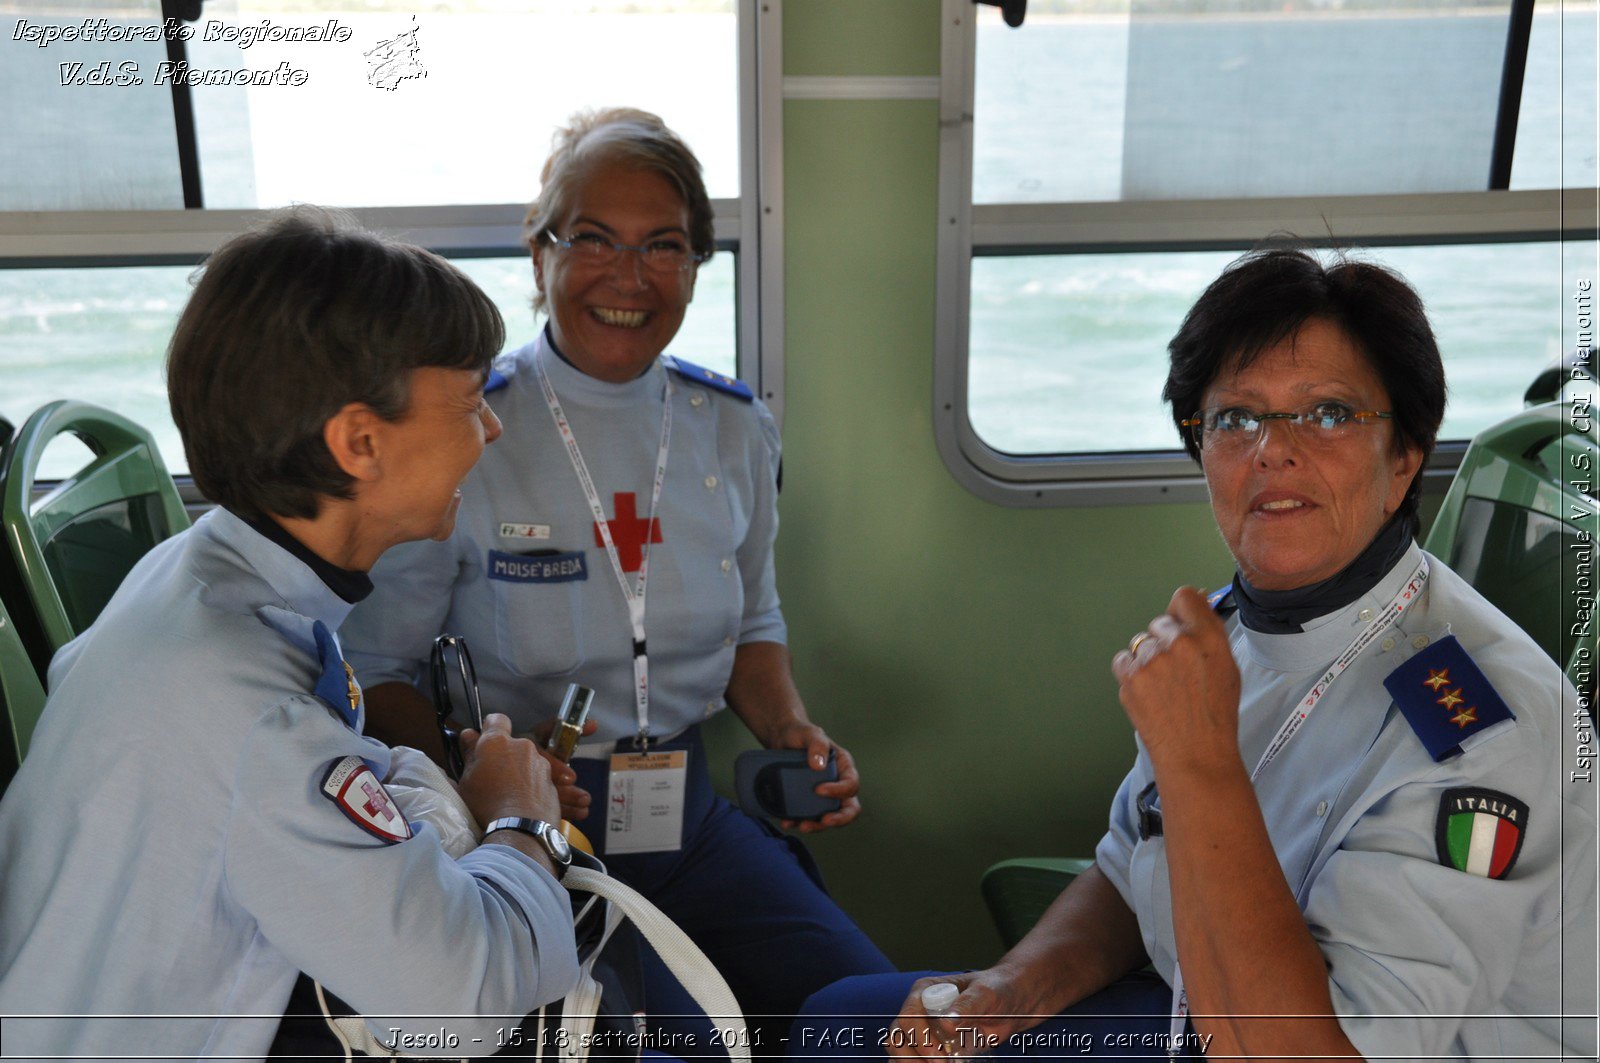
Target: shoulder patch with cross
(351,785)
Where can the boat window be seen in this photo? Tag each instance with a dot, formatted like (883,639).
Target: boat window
(1103,163)
(485,85)
(1491,306)
(1312,100)
(100,335)
(429,121)
(79,132)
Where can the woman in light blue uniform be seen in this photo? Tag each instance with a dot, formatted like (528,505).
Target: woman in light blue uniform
(621,537)
(1349,830)
(200,817)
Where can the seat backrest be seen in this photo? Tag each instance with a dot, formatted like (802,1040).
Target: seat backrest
(1018,891)
(1521,522)
(21,697)
(73,546)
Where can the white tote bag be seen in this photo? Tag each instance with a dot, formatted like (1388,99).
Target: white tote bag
(565,1030)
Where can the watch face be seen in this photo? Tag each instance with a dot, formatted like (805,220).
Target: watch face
(557,843)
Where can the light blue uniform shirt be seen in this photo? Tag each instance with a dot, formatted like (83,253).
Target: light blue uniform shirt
(169,852)
(526,581)
(1352,807)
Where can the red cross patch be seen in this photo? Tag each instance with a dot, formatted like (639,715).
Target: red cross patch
(629,531)
(351,785)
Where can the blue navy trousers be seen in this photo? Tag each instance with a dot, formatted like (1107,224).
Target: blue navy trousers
(749,896)
(853,1019)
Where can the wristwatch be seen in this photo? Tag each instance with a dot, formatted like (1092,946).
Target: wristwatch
(549,835)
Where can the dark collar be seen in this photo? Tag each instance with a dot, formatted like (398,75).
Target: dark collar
(550,341)
(1286,612)
(348,584)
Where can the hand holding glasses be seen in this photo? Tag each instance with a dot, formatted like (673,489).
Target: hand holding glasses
(455,683)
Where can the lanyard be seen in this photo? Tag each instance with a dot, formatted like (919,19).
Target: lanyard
(633,595)
(1291,727)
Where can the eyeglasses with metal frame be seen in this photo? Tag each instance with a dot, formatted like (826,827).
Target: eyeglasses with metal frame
(1325,422)
(663,255)
(455,683)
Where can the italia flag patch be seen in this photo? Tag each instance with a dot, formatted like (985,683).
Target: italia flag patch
(351,785)
(1480,831)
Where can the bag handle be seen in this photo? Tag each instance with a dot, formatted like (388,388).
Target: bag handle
(682,957)
(680,954)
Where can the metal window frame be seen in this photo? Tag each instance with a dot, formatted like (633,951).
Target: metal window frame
(761,295)
(752,224)
(967,230)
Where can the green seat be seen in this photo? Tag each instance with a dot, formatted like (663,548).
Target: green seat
(21,697)
(1018,891)
(1520,523)
(73,546)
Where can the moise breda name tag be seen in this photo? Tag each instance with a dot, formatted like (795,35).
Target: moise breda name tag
(550,567)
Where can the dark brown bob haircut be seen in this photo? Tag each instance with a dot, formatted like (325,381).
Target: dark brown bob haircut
(1264,298)
(289,323)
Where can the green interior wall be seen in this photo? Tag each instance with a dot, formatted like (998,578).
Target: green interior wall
(959,649)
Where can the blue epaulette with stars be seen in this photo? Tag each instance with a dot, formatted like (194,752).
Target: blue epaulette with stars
(699,374)
(1445,697)
(337,684)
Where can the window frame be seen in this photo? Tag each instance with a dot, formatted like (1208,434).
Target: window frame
(751,225)
(968,230)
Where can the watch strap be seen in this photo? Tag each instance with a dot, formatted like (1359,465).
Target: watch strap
(545,832)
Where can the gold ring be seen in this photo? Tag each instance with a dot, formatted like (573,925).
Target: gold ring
(1138,640)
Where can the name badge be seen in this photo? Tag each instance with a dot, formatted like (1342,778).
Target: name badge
(537,568)
(509,530)
(644,809)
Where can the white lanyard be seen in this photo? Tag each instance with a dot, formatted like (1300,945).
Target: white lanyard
(632,595)
(1291,727)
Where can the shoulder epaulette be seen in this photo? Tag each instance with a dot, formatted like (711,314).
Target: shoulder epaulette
(699,374)
(1445,697)
(500,373)
(337,683)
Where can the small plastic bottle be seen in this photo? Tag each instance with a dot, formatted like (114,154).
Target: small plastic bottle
(937,998)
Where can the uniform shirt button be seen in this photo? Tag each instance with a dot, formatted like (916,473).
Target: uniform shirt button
(696,400)
(727,565)
(711,707)
(1322,809)
(728,641)
(1366,616)
(1420,642)
(1388,644)
(711,483)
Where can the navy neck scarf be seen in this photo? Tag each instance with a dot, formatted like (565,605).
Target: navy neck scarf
(348,584)
(1285,612)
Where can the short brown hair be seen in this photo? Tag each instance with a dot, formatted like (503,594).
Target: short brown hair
(289,323)
(616,136)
